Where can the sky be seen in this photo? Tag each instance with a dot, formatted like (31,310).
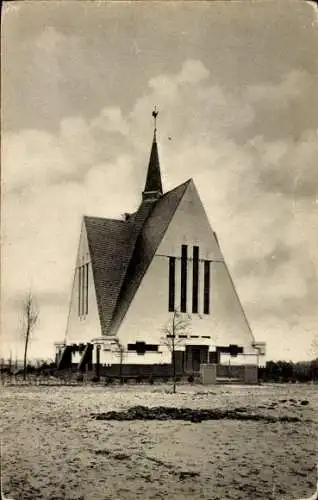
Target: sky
(236,88)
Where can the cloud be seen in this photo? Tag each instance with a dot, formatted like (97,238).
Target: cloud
(30,156)
(290,88)
(288,166)
(192,72)
(111,120)
(287,108)
(255,188)
(35,157)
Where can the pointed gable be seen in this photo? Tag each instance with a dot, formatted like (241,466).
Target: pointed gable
(146,245)
(191,225)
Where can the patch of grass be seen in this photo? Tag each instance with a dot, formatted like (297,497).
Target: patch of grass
(192,415)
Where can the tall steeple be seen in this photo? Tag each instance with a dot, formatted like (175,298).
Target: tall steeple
(153,186)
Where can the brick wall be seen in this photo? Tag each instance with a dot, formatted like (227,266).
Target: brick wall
(134,370)
(230,371)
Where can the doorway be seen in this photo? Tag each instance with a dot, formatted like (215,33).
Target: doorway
(195,355)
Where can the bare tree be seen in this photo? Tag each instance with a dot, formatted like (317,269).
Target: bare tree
(177,326)
(10,370)
(30,318)
(120,351)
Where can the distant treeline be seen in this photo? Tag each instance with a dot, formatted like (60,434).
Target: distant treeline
(287,371)
(40,368)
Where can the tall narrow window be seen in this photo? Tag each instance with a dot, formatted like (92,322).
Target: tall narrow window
(195,279)
(206,294)
(86,291)
(79,290)
(184,264)
(83,289)
(172,282)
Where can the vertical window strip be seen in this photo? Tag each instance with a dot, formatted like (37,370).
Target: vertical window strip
(195,279)
(172,283)
(79,290)
(86,291)
(184,264)
(206,298)
(83,289)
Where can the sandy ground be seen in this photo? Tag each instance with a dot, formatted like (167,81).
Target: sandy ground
(53,449)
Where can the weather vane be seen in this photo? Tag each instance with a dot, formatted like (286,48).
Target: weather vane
(155,114)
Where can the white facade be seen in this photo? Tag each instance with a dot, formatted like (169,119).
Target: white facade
(148,312)
(82,327)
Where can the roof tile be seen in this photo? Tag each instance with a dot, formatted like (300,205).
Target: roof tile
(121,252)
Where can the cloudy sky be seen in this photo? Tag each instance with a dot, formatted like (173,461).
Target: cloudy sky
(236,86)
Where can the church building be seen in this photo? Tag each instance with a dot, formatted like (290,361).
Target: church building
(137,274)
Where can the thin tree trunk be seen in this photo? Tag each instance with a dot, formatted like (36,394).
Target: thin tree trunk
(97,366)
(10,367)
(121,368)
(174,368)
(174,364)
(173,353)
(27,335)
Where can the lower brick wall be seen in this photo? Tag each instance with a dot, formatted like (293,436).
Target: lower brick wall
(230,371)
(133,370)
(238,373)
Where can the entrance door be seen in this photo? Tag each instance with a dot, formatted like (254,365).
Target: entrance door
(195,355)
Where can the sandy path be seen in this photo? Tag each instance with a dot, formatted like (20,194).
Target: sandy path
(53,449)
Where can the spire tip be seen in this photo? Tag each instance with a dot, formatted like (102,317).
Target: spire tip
(155,114)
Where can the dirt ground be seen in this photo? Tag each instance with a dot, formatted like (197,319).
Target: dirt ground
(53,449)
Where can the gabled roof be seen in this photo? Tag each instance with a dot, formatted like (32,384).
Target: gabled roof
(147,242)
(109,246)
(121,252)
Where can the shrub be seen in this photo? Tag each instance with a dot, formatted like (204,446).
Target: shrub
(95,379)
(80,378)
